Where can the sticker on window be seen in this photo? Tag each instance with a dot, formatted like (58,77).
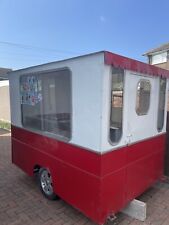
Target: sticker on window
(31,90)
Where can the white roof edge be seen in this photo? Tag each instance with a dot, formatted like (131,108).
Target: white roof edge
(54,62)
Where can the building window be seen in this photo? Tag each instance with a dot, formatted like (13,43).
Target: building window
(167,55)
(159,58)
(143,97)
(161,104)
(116,115)
(46,102)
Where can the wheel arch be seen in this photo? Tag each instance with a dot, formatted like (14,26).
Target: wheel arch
(36,169)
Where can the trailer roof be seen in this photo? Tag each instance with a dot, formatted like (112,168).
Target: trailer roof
(133,65)
(116,61)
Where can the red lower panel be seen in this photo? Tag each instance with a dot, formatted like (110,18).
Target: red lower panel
(97,185)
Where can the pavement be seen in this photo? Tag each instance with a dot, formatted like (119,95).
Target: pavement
(21,202)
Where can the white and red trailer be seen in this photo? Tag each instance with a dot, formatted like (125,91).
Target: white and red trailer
(93,128)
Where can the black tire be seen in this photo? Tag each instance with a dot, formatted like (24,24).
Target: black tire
(46,185)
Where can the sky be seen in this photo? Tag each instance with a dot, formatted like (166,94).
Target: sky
(33,32)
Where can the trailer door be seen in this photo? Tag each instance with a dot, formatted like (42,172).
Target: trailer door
(140,104)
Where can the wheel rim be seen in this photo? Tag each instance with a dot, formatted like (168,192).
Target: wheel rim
(46,182)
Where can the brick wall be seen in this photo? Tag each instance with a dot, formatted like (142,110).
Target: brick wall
(163,65)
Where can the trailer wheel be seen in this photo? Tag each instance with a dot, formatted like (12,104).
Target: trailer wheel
(46,185)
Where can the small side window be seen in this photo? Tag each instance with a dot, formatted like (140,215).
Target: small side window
(116,115)
(161,104)
(143,97)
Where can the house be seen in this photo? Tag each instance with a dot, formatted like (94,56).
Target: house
(159,56)
(4,73)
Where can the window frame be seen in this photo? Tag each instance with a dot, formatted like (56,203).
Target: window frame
(160,130)
(147,112)
(110,107)
(43,132)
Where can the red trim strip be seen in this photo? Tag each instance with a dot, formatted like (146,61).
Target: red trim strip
(134,65)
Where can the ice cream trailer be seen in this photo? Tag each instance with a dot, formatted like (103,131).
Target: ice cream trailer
(91,128)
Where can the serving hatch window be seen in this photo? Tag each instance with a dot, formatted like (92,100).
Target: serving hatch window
(46,102)
(143,97)
(116,112)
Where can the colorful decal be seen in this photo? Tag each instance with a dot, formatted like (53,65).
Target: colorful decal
(31,90)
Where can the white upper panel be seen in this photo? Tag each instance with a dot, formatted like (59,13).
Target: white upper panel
(135,127)
(91,100)
(87,75)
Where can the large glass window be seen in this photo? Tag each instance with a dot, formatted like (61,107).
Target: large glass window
(46,102)
(143,97)
(161,104)
(116,115)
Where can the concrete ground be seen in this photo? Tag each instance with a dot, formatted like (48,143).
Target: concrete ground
(22,203)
